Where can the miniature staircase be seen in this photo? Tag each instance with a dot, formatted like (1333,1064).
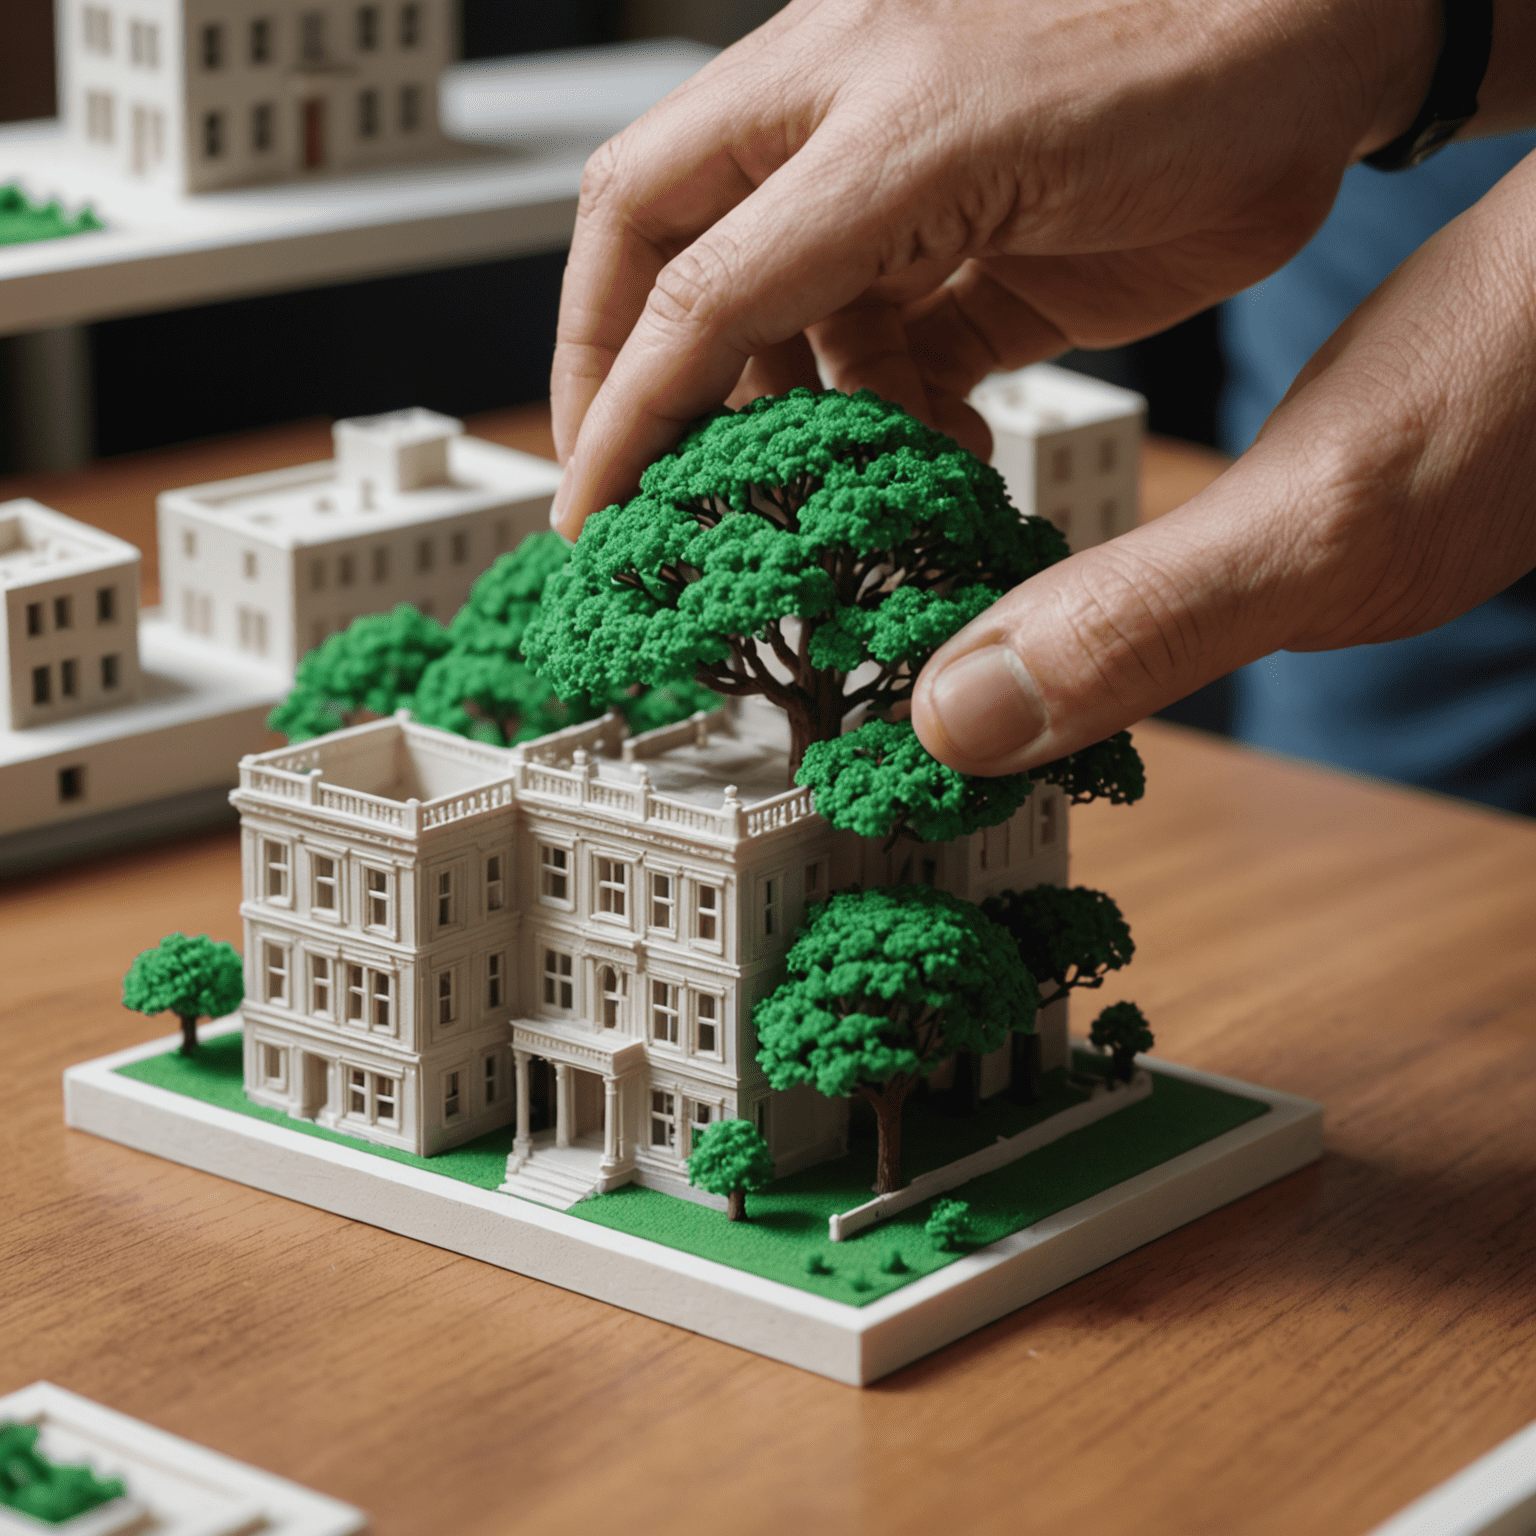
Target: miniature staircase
(549,1181)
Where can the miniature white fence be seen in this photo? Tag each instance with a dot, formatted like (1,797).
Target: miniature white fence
(1102,1102)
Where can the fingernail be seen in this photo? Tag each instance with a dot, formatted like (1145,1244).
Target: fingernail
(986,704)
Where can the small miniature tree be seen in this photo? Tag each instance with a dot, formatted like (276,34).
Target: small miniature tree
(193,978)
(883,985)
(949,1224)
(1121,1031)
(374,665)
(47,1490)
(731,1159)
(1111,770)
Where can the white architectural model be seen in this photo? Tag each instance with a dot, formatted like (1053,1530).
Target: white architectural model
(442,937)
(410,510)
(198,95)
(71,643)
(1068,447)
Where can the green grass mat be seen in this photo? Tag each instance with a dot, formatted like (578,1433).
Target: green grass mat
(22,220)
(788,1222)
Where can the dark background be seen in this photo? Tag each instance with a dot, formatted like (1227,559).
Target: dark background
(464,340)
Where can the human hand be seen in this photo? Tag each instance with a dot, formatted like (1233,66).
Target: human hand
(1390,491)
(924,192)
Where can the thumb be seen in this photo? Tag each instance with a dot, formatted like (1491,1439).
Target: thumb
(1106,637)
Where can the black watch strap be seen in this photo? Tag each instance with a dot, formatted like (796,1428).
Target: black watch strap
(1467,40)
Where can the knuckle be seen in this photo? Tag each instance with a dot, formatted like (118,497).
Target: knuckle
(692,290)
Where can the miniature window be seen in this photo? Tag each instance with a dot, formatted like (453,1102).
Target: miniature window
(213,46)
(317,575)
(261,41)
(493,885)
(377,885)
(357,1093)
(324,867)
(664,1012)
(382,998)
(1047,822)
(274,856)
(367,114)
(189,543)
(383,1097)
(1106,455)
(928,872)
(98,116)
(34,618)
(72,783)
(98,29)
(410,108)
(458,548)
(63,613)
(554,873)
(381,563)
(275,965)
(451,1101)
(42,685)
(319,984)
(771,890)
(614,985)
(760,1117)
(708,1026)
(446,906)
(68,679)
(663,1120)
(248,564)
(707,914)
(612,887)
(312,36)
(357,994)
(495,968)
(144,44)
(213,138)
(492,1081)
(995,846)
(346,570)
(447,1010)
(559,991)
(663,900)
(410,25)
(698,1123)
(426,554)
(367,28)
(816,880)
(371,1095)
(1061,465)
(272,1063)
(106,605)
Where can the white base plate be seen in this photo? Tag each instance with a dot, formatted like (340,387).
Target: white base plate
(857,1345)
(179,1488)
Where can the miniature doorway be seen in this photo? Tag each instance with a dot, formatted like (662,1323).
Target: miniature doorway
(541,1095)
(313,133)
(587,1104)
(315,1088)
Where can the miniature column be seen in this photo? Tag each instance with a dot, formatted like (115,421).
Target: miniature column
(523,1143)
(562,1108)
(613,1137)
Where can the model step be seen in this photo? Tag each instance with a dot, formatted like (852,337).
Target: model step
(549,1183)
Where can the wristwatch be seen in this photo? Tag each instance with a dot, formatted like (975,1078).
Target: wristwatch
(1467,41)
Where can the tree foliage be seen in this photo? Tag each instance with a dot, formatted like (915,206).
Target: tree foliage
(949,1224)
(780,549)
(731,1159)
(1108,770)
(883,985)
(1070,937)
(194,978)
(47,1490)
(1122,1031)
(881,781)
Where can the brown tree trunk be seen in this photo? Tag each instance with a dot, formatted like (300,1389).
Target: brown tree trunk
(188,1033)
(736,1205)
(816,714)
(888,1106)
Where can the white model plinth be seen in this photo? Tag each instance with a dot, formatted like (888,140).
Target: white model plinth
(857,1345)
(1068,448)
(174,1487)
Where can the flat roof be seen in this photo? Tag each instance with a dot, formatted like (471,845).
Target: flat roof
(38,544)
(1044,398)
(310,504)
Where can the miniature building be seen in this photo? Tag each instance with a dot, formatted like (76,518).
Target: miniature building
(71,616)
(1068,447)
(196,95)
(410,510)
(568,936)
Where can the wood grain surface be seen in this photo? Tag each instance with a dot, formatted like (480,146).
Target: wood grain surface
(1306,1360)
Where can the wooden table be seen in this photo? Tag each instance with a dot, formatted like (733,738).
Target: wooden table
(1306,1360)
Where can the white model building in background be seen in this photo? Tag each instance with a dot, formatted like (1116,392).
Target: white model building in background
(409,510)
(1068,448)
(198,95)
(569,935)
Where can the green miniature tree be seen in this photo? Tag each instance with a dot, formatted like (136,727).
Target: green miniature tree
(1069,940)
(949,1224)
(193,978)
(33,1484)
(1108,770)
(815,548)
(1121,1031)
(883,985)
(731,1159)
(374,665)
